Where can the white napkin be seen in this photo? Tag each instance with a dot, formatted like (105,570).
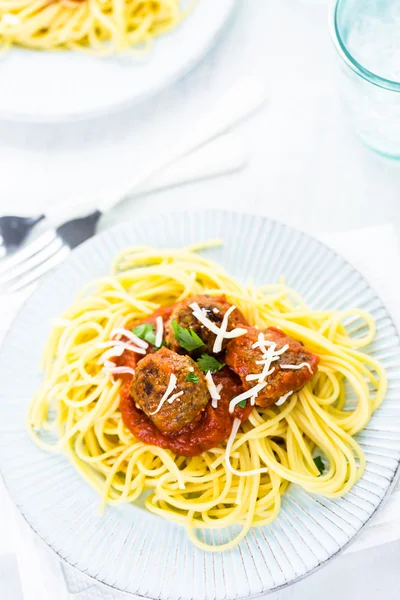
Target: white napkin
(375,253)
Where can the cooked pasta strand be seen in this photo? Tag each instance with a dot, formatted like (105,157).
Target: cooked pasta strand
(276,445)
(94,26)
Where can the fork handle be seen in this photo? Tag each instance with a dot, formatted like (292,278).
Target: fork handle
(225,154)
(246,96)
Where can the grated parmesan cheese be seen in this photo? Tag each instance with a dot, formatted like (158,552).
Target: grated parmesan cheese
(261,343)
(114,351)
(119,370)
(212,388)
(228,450)
(120,331)
(269,355)
(167,394)
(124,345)
(251,393)
(220,332)
(109,364)
(159,331)
(296,367)
(283,399)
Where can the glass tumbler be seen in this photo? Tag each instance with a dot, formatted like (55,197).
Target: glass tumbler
(366,34)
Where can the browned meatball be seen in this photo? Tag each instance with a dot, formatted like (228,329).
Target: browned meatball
(152,376)
(242,358)
(214,308)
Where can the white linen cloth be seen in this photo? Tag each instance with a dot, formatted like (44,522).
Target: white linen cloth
(29,571)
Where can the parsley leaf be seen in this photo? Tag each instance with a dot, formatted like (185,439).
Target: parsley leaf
(209,363)
(192,377)
(186,338)
(242,404)
(319,464)
(145,332)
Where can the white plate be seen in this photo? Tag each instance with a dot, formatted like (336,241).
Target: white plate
(59,86)
(132,550)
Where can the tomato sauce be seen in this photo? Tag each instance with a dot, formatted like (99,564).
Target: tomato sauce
(163,311)
(213,427)
(130,359)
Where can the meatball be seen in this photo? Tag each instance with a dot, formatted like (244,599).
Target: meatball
(242,358)
(152,376)
(214,309)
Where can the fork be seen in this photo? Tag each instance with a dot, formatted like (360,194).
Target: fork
(224,155)
(14,230)
(53,246)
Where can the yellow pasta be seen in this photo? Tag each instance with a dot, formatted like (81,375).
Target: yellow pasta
(95,26)
(80,402)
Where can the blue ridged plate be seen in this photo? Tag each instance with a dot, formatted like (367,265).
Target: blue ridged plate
(132,550)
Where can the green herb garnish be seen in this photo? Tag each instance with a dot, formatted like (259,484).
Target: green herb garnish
(319,464)
(192,377)
(209,363)
(186,338)
(146,332)
(242,404)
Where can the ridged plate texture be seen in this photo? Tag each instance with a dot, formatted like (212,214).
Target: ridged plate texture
(132,550)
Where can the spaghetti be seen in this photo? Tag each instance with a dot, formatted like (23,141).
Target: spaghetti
(96,26)
(307,439)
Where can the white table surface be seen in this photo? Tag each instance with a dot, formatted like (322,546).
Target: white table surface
(306,169)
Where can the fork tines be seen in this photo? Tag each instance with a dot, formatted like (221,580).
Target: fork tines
(32,262)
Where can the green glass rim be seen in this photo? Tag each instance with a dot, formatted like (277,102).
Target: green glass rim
(349,59)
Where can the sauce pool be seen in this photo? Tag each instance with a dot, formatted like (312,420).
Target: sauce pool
(214,427)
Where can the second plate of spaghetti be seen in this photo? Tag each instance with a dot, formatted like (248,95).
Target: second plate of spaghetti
(225,373)
(84,58)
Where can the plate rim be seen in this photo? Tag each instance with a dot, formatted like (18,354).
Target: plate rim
(237,214)
(112,109)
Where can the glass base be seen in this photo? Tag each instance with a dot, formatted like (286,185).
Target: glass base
(383,153)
